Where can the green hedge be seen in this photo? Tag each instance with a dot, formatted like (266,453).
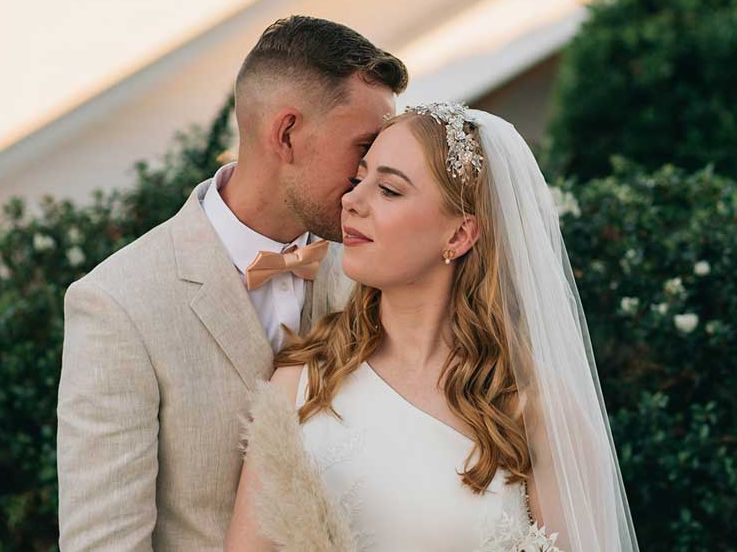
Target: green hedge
(655,255)
(39,257)
(652,80)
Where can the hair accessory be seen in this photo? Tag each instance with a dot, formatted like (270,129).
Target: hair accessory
(464,158)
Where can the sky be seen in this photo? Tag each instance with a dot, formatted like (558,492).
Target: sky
(54,54)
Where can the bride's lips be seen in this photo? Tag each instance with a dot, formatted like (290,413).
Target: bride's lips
(351,237)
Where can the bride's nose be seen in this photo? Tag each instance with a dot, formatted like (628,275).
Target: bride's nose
(353,202)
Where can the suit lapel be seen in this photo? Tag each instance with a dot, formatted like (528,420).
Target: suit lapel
(222,303)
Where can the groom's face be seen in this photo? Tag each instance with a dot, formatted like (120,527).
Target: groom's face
(331,155)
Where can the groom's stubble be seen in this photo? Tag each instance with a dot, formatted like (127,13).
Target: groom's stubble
(319,218)
(333,143)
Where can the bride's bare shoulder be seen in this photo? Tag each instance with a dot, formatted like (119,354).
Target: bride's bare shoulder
(286,380)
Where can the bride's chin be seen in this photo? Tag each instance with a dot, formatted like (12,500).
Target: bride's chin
(353,272)
(359,272)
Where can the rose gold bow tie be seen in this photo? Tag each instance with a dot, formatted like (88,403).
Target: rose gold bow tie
(303,262)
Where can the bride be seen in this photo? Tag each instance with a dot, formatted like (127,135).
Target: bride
(454,404)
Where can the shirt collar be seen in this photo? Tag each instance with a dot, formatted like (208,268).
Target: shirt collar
(241,242)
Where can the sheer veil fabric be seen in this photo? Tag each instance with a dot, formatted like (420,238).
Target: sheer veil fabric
(575,468)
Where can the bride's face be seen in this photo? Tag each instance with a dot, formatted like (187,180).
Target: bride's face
(394,226)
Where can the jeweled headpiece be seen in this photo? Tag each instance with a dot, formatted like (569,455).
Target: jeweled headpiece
(464,158)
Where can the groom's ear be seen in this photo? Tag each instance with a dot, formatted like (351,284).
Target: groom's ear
(281,138)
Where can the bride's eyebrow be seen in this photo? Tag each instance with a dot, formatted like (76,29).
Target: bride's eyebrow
(388,170)
(395,172)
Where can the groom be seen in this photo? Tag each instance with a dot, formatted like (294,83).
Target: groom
(165,339)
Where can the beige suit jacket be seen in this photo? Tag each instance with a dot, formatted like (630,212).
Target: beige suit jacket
(162,348)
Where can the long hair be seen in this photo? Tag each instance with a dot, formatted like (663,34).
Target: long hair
(477,379)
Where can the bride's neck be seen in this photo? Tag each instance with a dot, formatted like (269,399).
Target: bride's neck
(416,328)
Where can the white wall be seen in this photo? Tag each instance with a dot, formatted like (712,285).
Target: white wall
(96,145)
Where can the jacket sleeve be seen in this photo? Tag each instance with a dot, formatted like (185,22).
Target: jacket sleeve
(107,428)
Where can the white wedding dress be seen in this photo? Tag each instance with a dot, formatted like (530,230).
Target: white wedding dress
(394,468)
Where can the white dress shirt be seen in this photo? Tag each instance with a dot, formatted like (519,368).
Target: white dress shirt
(278,301)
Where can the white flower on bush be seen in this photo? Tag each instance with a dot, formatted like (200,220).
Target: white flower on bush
(623,193)
(631,257)
(660,308)
(629,305)
(4,271)
(42,242)
(674,286)
(712,326)
(687,322)
(702,268)
(74,235)
(565,202)
(598,266)
(75,256)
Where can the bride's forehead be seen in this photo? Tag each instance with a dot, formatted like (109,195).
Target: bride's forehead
(395,142)
(397,146)
(397,133)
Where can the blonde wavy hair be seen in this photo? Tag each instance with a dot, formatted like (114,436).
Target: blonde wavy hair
(477,378)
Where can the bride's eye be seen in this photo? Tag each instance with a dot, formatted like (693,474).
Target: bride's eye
(354,181)
(388,192)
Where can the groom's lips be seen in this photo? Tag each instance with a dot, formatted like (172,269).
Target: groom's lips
(351,236)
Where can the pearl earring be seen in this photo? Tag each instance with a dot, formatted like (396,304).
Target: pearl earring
(448,255)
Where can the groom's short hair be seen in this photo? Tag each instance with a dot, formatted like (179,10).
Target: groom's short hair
(318,56)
